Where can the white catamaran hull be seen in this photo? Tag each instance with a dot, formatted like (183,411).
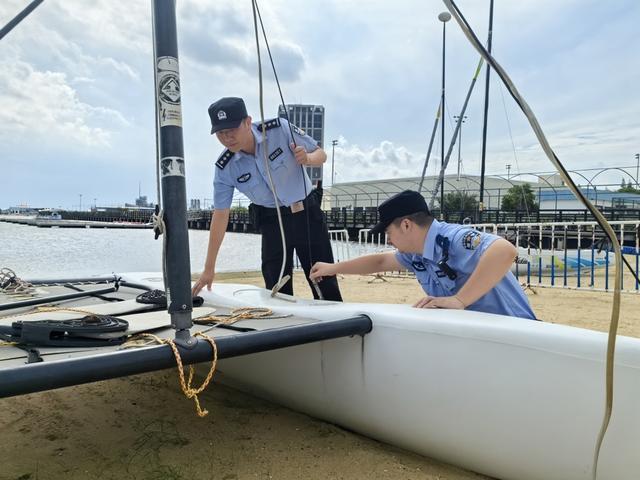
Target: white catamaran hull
(510,398)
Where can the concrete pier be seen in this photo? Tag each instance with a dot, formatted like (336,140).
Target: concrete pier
(50,223)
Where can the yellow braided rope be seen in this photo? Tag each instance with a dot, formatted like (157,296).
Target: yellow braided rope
(237,314)
(187,389)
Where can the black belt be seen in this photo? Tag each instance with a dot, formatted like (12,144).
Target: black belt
(310,201)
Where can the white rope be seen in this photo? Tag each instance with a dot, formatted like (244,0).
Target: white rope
(602,221)
(282,280)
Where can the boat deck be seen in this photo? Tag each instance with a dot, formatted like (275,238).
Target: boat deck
(28,367)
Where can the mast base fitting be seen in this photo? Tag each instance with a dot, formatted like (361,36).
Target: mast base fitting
(184,339)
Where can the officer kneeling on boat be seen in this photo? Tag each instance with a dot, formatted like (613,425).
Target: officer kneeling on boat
(243,166)
(457,267)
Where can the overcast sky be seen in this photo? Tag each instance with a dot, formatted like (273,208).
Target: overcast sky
(77,102)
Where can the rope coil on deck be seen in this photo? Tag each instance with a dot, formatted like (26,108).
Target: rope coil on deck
(237,314)
(11,284)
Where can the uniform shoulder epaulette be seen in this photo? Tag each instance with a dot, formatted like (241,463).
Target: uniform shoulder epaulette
(225,158)
(269,124)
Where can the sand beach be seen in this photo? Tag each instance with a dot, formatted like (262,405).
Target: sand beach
(142,427)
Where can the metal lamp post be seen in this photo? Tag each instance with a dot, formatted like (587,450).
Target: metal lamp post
(333,153)
(457,119)
(444,17)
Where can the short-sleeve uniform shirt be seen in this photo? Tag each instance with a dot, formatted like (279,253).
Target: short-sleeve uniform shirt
(465,247)
(248,173)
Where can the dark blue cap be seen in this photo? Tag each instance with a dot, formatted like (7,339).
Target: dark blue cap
(400,205)
(228,112)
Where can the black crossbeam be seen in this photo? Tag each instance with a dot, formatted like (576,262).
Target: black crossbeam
(37,377)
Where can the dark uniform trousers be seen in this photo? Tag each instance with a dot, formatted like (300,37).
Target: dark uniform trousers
(295,230)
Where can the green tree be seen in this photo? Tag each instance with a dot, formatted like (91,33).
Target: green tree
(460,201)
(628,187)
(520,197)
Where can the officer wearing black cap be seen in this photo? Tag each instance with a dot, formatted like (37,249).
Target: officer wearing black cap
(457,267)
(257,158)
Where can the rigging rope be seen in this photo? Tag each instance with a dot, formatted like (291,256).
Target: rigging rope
(454,137)
(281,279)
(602,221)
(157,218)
(286,113)
(428,156)
(515,155)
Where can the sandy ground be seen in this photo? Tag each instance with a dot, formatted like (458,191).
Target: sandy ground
(142,427)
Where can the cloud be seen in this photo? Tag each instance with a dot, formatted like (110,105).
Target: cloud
(353,163)
(42,105)
(221,38)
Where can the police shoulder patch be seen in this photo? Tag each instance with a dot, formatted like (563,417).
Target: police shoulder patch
(269,124)
(471,240)
(225,158)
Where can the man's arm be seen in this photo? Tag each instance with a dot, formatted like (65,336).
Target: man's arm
(219,221)
(493,265)
(314,158)
(378,262)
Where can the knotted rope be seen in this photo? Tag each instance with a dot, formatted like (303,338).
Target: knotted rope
(11,284)
(188,390)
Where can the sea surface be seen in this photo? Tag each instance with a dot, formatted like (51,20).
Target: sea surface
(34,252)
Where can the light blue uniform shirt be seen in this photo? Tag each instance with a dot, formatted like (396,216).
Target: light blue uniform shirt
(466,246)
(247,172)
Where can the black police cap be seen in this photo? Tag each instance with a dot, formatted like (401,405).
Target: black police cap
(400,205)
(228,112)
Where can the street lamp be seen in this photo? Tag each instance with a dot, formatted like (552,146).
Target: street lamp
(637,168)
(444,17)
(333,153)
(457,119)
(508,170)
(80,208)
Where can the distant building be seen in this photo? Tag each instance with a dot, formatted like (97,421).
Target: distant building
(21,210)
(550,192)
(194,204)
(141,201)
(370,193)
(309,118)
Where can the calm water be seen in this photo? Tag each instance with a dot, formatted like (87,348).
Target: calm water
(51,252)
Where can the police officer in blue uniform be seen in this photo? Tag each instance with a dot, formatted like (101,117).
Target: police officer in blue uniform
(457,267)
(252,162)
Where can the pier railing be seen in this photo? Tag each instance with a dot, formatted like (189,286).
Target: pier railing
(571,255)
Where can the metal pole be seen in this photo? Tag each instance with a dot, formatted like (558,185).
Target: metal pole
(457,118)
(18,18)
(172,170)
(444,17)
(637,169)
(333,153)
(486,112)
(426,160)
